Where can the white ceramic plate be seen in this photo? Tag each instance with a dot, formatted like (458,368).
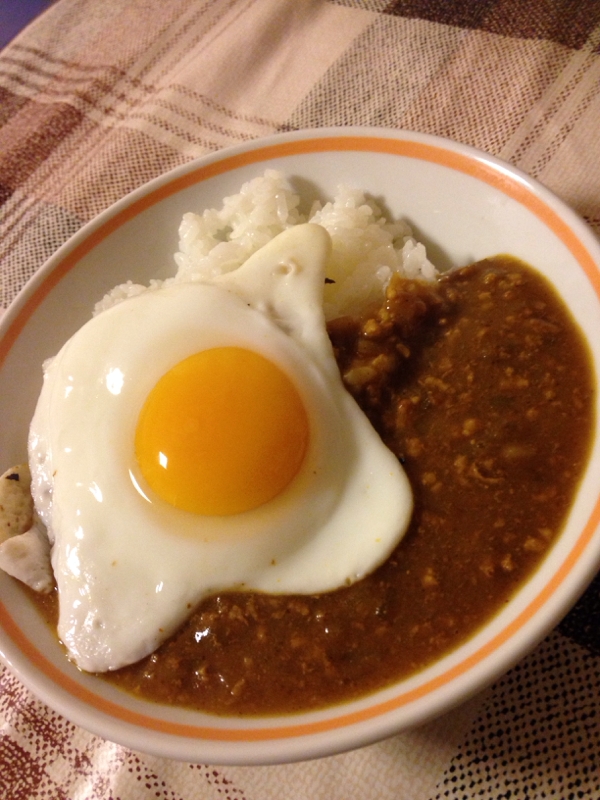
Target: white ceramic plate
(464,205)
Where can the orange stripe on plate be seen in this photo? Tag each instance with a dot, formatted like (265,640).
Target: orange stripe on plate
(477,168)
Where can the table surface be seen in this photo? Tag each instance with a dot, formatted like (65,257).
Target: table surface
(97,98)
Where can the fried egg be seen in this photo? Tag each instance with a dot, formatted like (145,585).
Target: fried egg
(197,438)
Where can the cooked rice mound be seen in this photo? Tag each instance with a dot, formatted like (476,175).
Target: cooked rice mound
(367,248)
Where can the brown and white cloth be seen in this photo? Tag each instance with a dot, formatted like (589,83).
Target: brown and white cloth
(96,98)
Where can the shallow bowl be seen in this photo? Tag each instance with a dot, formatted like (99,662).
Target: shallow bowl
(465,205)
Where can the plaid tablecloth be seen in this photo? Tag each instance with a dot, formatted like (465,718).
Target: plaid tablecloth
(99,96)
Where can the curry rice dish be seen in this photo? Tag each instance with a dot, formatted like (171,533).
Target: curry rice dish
(481,384)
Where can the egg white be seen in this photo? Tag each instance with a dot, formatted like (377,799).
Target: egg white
(129,567)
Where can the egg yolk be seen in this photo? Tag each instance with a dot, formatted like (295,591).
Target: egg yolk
(222,432)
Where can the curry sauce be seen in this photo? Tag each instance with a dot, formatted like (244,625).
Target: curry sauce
(481,384)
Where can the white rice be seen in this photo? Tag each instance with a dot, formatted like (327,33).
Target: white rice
(367,248)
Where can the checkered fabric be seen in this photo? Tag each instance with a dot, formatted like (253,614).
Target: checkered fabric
(96,98)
